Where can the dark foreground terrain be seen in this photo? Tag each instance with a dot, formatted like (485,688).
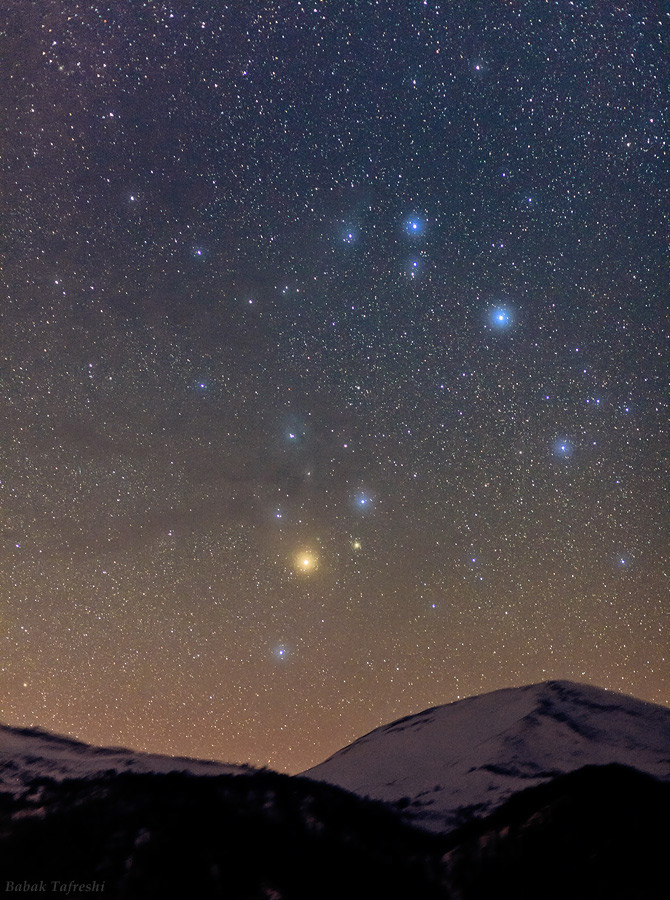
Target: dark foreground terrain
(600,832)
(262,835)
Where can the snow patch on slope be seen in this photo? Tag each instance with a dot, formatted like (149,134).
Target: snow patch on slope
(28,753)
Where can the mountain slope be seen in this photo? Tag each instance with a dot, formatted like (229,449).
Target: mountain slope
(28,753)
(450,763)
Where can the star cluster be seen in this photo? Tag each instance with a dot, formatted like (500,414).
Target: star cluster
(332,369)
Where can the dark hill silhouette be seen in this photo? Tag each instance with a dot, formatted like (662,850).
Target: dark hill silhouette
(262,835)
(600,833)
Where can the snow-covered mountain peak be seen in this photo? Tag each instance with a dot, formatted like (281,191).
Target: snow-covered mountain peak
(451,762)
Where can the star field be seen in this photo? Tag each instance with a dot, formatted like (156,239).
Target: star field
(333,365)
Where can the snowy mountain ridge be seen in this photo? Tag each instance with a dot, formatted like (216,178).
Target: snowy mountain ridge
(450,763)
(442,766)
(28,753)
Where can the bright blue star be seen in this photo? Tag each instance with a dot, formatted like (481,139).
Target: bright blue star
(563,448)
(500,317)
(363,502)
(414,226)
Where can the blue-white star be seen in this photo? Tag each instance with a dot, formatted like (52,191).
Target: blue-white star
(413,269)
(414,226)
(500,317)
(563,448)
(363,502)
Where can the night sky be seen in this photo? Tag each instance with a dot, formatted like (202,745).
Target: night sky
(333,364)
